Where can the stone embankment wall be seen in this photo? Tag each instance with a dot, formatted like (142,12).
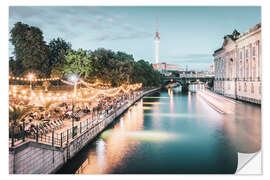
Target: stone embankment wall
(37,158)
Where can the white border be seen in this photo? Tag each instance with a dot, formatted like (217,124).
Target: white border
(4,72)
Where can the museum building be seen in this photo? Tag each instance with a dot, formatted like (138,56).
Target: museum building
(238,66)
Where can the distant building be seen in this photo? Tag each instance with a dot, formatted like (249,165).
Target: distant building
(190,73)
(212,69)
(166,68)
(238,66)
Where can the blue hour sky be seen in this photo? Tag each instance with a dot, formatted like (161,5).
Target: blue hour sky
(188,35)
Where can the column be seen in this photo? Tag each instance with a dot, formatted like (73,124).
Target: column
(215,65)
(259,59)
(250,62)
(237,63)
(244,62)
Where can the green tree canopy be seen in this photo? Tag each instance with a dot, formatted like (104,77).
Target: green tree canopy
(58,48)
(76,62)
(58,59)
(30,49)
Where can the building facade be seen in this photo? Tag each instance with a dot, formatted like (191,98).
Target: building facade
(212,69)
(238,66)
(165,68)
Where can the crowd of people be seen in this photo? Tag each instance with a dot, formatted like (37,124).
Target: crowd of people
(44,121)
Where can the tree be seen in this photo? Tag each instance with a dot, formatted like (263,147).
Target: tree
(102,64)
(30,49)
(46,108)
(122,56)
(76,62)
(59,48)
(17,113)
(113,68)
(146,74)
(15,67)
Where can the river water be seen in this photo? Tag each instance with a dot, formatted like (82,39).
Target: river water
(171,132)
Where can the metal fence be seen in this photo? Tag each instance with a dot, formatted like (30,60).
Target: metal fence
(63,138)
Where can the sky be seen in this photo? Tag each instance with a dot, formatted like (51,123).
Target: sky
(188,34)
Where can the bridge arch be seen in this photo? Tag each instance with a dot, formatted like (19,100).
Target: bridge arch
(185,81)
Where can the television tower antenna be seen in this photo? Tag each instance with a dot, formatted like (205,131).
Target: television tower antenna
(156,20)
(157,39)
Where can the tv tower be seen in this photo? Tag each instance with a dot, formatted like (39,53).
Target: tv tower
(157,38)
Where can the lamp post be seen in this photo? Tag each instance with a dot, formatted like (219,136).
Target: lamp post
(74,79)
(31,77)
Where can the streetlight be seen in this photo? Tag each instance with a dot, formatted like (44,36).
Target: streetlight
(31,76)
(74,78)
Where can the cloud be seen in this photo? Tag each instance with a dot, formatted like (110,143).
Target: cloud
(193,58)
(26,12)
(78,22)
(195,61)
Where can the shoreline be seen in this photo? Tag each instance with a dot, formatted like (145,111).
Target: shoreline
(33,157)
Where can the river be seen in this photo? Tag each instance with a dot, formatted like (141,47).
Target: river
(171,132)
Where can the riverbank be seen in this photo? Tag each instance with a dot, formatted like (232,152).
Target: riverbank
(219,103)
(162,133)
(33,157)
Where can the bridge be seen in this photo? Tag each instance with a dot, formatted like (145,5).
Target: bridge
(184,81)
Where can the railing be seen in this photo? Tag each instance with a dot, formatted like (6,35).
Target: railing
(190,76)
(16,136)
(63,138)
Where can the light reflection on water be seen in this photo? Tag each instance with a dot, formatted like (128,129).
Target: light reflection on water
(114,145)
(172,133)
(244,128)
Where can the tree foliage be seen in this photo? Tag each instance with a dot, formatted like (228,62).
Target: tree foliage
(30,50)
(109,67)
(17,113)
(76,62)
(58,49)
(58,59)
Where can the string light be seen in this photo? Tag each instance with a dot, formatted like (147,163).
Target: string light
(31,77)
(111,92)
(68,83)
(96,85)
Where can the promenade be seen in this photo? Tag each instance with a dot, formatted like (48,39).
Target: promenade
(49,152)
(219,103)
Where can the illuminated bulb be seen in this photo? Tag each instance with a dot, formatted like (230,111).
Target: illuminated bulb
(31,76)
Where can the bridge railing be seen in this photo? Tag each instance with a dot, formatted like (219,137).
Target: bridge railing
(190,76)
(196,76)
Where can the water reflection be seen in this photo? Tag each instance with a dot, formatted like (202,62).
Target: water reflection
(115,145)
(244,128)
(100,151)
(189,101)
(173,133)
(170,92)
